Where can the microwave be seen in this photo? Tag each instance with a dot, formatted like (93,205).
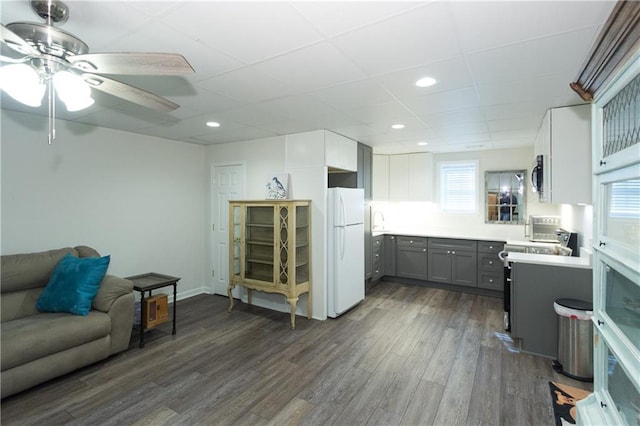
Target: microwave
(537,175)
(544,228)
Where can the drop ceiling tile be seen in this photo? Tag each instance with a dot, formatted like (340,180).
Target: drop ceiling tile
(487,24)
(451,74)
(247,31)
(382,114)
(523,60)
(358,132)
(336,17)
(353,95)
(522,109)
(541,88)
(242,134)
(287,126)
(403,41)
(247,85)
(514,124)
(454,118)
(299,107)
(448,130)
(99,23)
(313,67)
(453,100)
(251,115)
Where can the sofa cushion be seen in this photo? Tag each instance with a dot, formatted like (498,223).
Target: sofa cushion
(29,270)
(36,336)
(73,285)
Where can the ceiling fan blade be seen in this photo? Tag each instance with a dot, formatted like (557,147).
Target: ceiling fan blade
(132,63)
(16,42)
(129,93)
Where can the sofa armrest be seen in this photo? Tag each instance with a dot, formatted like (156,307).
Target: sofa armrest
(111,288)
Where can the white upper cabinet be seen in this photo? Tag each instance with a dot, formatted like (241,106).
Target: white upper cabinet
(404,177)
(340,152)
(322,148)
(564,141)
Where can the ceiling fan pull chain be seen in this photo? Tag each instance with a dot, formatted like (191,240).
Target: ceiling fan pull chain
(52,112)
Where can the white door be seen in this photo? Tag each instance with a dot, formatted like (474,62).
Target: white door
(227,184)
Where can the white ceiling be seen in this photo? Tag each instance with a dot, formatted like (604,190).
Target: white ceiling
(274,68)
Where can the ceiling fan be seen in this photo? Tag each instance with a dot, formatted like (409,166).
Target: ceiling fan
(41,56)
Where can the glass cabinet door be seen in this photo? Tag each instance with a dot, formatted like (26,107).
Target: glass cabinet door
(619,219)
(236,239)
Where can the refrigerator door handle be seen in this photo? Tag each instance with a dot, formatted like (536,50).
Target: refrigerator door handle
(343,210)
(342,241)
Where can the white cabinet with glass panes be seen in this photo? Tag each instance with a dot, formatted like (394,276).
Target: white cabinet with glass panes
(616,254)
(269,249)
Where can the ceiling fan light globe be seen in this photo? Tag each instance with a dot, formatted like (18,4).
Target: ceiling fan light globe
(22,83)
(72,90)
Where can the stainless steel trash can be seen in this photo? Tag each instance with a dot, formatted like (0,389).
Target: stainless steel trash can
(575,339)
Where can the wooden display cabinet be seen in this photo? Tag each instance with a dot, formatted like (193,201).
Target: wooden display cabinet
(270,249)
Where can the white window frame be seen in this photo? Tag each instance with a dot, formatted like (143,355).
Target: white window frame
(471,204)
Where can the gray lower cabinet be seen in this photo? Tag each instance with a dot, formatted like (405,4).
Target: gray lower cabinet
(390,255)
(411,257)
(490,268)
(378,258)
(534,288)
(453,261)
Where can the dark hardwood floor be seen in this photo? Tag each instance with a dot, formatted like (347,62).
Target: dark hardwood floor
(407,355)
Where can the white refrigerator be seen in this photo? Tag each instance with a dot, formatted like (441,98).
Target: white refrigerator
(345,249)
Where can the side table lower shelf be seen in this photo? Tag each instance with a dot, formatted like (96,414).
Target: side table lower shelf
(146,283)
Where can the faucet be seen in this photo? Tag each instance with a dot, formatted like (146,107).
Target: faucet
(377,218)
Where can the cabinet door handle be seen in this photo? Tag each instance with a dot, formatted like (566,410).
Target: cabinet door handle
(424,249)
(490,280)
(491,262)
(490,247)
(602,243)
(448,251)
(453,252)
(600,322)
(603,405)
(603,163)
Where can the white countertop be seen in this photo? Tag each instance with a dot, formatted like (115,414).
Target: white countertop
(551,260)
(436,234)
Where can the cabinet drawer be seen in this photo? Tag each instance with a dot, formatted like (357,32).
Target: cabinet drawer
(490,246)
(452,244)
(412,242)
(490,281)
(378,241)
(488,261)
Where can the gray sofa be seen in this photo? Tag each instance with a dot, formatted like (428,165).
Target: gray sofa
(35,346)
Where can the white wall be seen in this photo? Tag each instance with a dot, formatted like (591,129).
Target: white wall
(140,199)
(579,219)
(426,217)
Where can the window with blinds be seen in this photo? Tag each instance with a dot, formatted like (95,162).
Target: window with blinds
(625,199)
(458,187)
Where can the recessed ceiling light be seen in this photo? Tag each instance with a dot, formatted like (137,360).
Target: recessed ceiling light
(426,82)
(423,143)
(397,126)
(213,124)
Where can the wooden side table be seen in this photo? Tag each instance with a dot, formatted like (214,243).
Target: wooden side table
(146,283)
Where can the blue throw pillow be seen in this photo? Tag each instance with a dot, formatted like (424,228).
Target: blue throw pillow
(73,285)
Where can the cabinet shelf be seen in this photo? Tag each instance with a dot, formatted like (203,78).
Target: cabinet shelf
(269,249)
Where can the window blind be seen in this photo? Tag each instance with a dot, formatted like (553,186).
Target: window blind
(625,199)
(458,187)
